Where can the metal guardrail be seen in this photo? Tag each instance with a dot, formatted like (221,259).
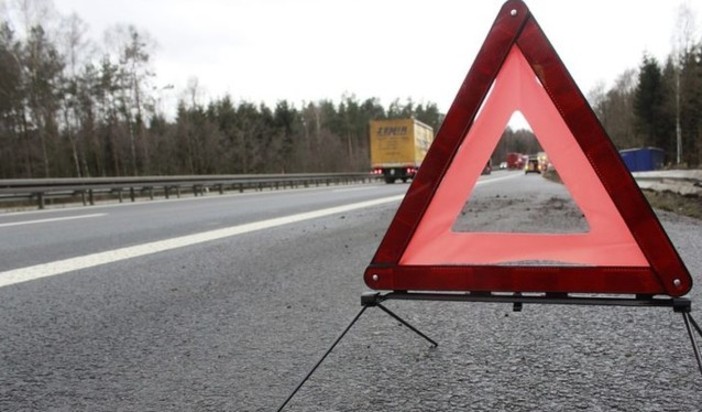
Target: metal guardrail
(685,182)
(682,182)
(41,190)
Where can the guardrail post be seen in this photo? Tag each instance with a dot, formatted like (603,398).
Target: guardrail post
(40,199)
(131,194)
(151,192)
(119,194)
(166,191)
(221,189)
(178,192)
(90,197)
(82,198)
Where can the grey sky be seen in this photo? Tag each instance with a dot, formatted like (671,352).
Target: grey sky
(306,50)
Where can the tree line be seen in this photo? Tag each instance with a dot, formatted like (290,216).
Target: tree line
(71,108)
(659,104)
(520,141)
(66,112)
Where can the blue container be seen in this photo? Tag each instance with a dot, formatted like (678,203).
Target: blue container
(643,159)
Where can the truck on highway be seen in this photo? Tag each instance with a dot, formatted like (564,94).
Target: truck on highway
(515,160)
(397,147)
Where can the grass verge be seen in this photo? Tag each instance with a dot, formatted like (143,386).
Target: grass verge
(672,202)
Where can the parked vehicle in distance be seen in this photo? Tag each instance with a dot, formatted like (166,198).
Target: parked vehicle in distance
(397,147)
(532,165)
(643,158)
(503,165)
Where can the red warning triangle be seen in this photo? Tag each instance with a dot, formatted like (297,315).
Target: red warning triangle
(626,250)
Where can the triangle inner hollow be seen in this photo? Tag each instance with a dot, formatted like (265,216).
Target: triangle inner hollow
(531,202)
(608,242)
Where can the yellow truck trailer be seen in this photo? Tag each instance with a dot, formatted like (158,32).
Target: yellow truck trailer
(398,146)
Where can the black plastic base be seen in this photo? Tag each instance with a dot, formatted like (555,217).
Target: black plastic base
(679,305)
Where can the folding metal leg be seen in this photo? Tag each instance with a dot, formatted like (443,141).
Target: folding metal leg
(696,326)
(412,328)
(336,342)
(689,320)
(367,301)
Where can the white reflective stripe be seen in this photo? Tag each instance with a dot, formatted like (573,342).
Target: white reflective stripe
(43,270)
(55,219)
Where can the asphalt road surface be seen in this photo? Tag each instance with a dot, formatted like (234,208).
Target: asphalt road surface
(224,303)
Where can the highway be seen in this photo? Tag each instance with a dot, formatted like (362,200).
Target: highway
(224,303)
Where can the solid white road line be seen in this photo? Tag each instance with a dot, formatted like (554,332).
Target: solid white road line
(44,270)
(497,179)
(55,219)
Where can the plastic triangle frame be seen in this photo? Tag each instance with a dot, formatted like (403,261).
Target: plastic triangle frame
(657,270)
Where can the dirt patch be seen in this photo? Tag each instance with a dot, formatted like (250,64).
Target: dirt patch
(690,206)
(522,211)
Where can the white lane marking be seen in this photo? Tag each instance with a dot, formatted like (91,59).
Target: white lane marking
(354,189)
(44,270)
(479,182)
(54,219)
(497,179)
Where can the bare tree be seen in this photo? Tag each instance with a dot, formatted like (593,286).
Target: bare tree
(134,49)
(74,46)
(30,14)
(683,44)
(614,109)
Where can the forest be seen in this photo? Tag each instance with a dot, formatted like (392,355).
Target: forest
(68,113)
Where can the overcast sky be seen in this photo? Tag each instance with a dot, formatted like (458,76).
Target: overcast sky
(307,50)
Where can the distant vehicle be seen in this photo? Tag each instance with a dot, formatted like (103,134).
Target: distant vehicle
(543,161)
(503,165)
(514,160)
(532,165)
(488,168)
(397,147)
